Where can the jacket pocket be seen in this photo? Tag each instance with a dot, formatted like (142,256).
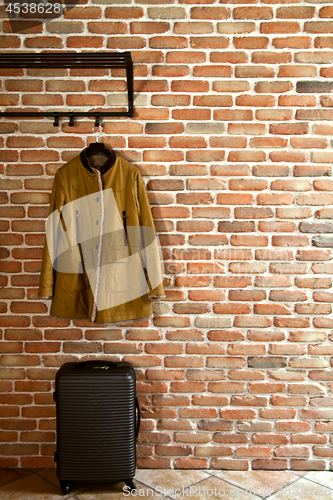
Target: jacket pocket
(124,271)
(72,282)
(74,279)
(117,253)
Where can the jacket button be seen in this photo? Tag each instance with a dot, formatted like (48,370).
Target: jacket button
(96,247)
(97,199)
(97,222)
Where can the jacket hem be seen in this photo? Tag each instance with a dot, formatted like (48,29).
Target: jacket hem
(105,321)
(156,297)
(46,292)
(129,322)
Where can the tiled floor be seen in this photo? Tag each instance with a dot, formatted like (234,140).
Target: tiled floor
(42,484)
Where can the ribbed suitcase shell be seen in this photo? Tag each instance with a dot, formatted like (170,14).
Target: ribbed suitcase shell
(95,422)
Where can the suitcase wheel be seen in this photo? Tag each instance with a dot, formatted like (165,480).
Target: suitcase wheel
(64,487)
(130,484)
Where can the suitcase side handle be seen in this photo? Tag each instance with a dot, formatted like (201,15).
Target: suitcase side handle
(138,419)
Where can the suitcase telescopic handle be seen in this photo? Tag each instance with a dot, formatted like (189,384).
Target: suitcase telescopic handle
(138,419)
(95,363)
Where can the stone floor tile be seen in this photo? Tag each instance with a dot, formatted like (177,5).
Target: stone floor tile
(210,471)
(262,483)
(212,488)
(31,487)
(48,474)
(169,478)
(324,477)
(303,489)
(179,484)
(115,491)
(74,488)
(9,475)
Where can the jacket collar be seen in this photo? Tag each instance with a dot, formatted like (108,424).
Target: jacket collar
(107,165)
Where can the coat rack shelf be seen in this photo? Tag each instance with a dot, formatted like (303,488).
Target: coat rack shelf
(72,60)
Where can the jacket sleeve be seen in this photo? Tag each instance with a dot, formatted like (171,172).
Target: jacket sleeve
(46,282)
(150,244)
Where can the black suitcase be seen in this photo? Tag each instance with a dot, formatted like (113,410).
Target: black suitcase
(96,423)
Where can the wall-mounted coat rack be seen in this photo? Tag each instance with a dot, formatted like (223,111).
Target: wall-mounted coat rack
(75,60)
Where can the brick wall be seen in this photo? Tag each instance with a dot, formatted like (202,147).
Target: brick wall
(232,133)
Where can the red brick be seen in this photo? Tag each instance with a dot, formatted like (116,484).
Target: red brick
(183,361)
(173,450)
(142,360)
(248,240)
(274,199)
(226,387)
(235,199)
(234,115)
(256,71)
(185,387)
(153,463)
(237,414)
(253,451)
(232,308)
(225,335)
(160,374)
(269,464)
(290,240)
(280,27)
(299,464)
(193,27)
(247,295)
(252,322)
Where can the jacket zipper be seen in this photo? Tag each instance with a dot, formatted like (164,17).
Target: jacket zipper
(125,226)
(77,226)
(78,242)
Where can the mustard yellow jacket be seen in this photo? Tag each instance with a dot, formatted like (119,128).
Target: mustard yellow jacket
(101,258)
